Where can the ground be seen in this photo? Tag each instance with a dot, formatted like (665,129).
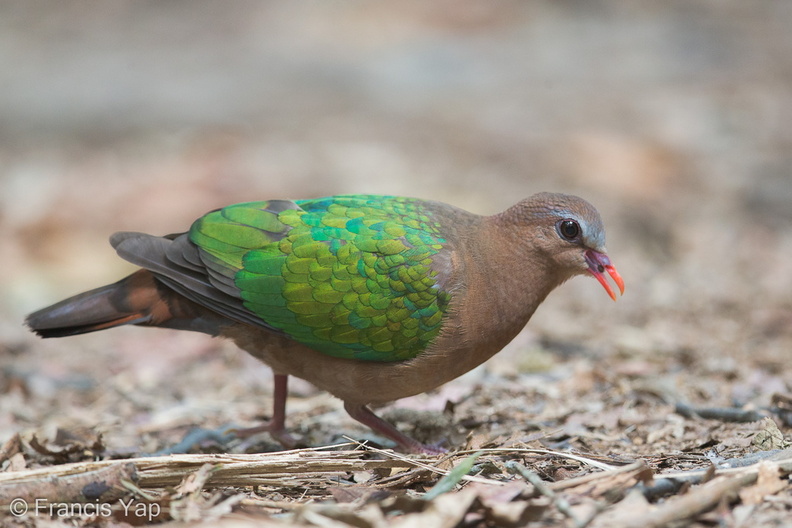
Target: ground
(672,120)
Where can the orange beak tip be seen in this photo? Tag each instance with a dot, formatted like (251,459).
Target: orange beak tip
(616,278)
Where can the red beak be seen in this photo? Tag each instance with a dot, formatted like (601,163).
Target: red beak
(598,264)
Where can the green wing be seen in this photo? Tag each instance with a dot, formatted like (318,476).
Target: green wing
(349,276)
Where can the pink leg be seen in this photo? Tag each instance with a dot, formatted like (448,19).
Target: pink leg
(276,427)
(363,414)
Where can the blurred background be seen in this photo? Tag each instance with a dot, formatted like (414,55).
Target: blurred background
(672,118)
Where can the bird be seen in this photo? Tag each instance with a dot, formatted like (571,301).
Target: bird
(371,298)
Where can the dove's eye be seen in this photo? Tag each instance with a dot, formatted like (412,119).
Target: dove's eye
(568,229)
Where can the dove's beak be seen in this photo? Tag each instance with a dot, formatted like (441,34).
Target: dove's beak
(598,264)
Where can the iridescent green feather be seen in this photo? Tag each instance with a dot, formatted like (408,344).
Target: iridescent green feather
(349,276)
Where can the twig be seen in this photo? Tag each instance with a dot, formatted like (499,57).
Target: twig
(724,414)
(429,467)
(698,501)
(560,503)
(106,484)
(284,468)
(578,458)
(783,458)
(593,477)
(669,483)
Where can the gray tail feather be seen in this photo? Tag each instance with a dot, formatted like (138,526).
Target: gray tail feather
(86,312)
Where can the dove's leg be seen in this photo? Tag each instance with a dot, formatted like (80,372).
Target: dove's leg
(363,414)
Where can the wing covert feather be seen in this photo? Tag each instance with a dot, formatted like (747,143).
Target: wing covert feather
(350,276)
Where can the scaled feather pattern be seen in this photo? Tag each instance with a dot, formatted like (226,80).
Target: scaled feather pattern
(350,276)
